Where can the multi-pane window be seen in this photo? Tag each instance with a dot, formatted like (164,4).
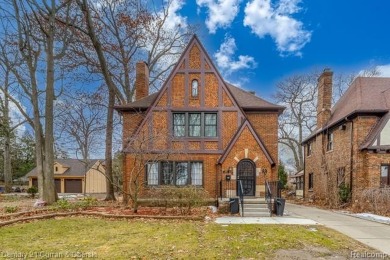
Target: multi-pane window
(210,125)
(174,173)
(311,181)
(199,124)
(179,124)
(194,88)
(385,175)
(194,124)
(329,145)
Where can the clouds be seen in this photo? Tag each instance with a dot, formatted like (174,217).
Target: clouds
(384,70)
(225,57)
(264,18)
(221,13)
(274,20)
(173,20)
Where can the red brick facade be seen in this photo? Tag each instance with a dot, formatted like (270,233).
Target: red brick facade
(236,138)
(326,169)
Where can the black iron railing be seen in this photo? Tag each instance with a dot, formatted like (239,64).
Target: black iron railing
(227,189)
(241,196)
(268,197)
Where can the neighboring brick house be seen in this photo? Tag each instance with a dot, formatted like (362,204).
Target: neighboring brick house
(351,144)
(198,129)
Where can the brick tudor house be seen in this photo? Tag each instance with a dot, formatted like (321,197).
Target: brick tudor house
(199,130)
(351,144)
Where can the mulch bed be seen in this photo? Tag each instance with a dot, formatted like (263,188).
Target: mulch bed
(102,212)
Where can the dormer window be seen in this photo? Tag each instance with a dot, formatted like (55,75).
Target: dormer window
(56,169)
(194,88)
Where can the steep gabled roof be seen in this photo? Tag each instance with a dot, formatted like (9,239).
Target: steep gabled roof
(249,101)
(366,95)
(141,104)
(245,124)
(245,100)
(374,133)
(76,167)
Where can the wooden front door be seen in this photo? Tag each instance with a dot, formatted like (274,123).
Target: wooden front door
(246,173)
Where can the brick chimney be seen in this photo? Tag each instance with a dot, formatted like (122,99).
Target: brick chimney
(324,102)
(141,80)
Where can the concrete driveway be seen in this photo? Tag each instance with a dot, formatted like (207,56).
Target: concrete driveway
(375,235)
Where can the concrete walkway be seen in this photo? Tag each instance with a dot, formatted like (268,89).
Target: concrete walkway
(265,220)
(373,234)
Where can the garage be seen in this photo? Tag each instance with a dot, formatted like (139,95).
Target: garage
(57,182)
(73,186)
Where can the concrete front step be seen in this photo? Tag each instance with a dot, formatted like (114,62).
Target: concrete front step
(256,214)
(255,207)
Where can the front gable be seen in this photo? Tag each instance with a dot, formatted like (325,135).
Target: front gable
(177,96)
(247,144)
(379,137)
(60,168)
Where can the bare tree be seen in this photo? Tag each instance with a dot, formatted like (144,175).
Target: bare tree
(115,34)
(298,94)
(37,44)
(136,163)
(81,123)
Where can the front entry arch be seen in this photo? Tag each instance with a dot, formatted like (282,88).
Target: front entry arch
(246,172)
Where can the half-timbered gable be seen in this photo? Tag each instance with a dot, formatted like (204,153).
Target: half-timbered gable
(197,126)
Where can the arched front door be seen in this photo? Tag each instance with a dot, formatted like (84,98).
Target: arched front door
(246,172)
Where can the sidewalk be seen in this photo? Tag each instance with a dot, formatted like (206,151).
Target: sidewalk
(373,234)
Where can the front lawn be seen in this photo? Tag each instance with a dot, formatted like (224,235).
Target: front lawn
(155,239)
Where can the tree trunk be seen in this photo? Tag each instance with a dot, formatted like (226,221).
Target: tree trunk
(110,195)
(49,194)
(7,143)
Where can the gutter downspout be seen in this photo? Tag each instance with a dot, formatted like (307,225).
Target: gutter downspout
(351,156)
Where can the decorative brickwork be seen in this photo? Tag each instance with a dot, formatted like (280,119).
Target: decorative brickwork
(194,145)
(183,65)
(195,58)
(206,65)
(211,145)
(178,92)
(163,102)
(227,102)
(265,125)
(230,125)
(211,90)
